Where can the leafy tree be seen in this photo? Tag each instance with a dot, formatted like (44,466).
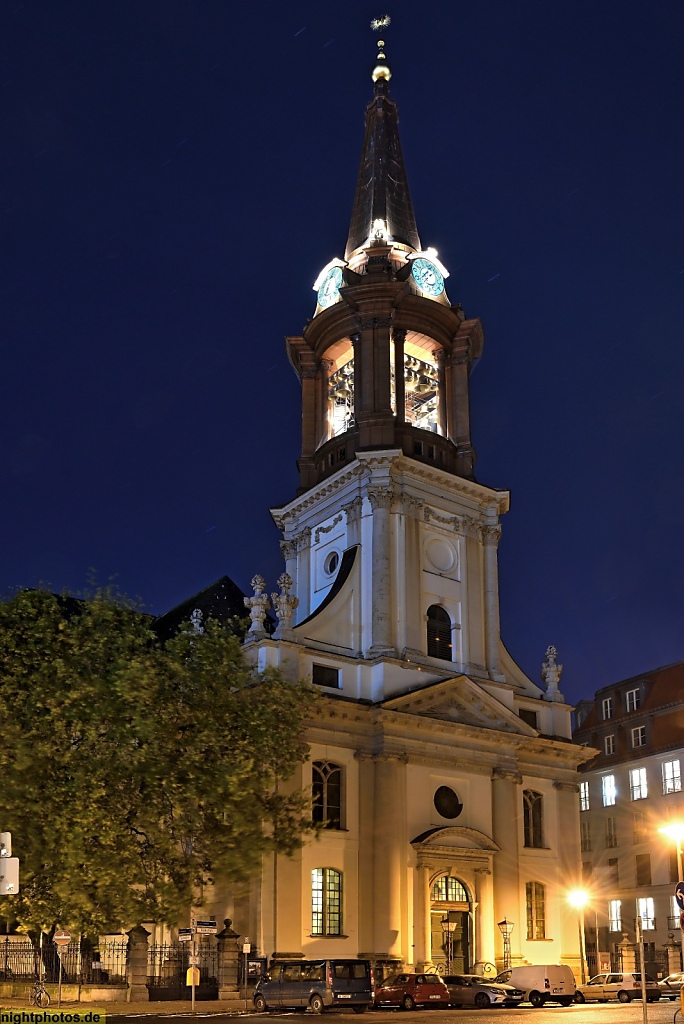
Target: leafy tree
(133,771)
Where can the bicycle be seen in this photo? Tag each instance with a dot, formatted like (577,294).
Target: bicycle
(39,995)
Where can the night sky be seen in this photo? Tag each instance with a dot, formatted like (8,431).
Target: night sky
(175,173)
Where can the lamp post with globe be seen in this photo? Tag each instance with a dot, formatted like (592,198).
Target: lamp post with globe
(578,898)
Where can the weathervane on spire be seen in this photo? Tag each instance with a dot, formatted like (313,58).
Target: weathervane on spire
(381,69)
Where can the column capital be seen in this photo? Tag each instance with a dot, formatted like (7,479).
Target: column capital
(288,548)
(353,508)
(308,372)
(380,497)
(491,535)
(482,871)
(303,539)
(566,787)
(507,775)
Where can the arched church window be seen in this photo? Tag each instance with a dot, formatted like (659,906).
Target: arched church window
(341,399)
(439,633)
(533,804)
(448,889)
(326,793)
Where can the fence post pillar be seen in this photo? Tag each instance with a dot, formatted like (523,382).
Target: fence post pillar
(674,954)
(628,956)
(136,964)
(227,942)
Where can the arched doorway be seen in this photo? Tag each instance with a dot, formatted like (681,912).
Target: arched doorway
(450,925)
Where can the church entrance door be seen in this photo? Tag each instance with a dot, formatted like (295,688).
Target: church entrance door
(458,937)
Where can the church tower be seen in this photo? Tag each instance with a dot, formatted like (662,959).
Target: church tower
(444,779)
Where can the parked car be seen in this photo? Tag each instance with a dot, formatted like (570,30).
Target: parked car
(318,984)
(670,986)
(542,983)
(625,987)
(473,990)
(411,990)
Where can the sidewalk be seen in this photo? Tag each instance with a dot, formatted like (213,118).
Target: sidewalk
(204,1008)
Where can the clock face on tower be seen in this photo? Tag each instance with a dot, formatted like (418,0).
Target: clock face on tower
(329,290)
(427,277)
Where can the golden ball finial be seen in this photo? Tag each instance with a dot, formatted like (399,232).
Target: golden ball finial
(381,70)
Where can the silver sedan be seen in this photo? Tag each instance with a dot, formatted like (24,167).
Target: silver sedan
(472,990)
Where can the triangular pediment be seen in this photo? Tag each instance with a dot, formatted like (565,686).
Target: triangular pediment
(461,700)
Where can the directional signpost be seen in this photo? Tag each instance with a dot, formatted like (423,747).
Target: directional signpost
(61,939)
(192,975)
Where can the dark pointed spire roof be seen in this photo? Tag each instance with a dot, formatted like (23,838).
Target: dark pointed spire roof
(382,191)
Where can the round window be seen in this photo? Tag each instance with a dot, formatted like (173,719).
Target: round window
(447,803)
(331,563)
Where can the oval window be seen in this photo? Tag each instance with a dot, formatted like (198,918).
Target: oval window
(331,563)
(447,803)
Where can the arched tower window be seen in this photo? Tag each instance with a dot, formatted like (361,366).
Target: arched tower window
(439,633)
(448,889)
(326,793)
(533,804)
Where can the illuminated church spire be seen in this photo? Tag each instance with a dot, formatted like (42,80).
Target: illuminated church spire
(382,191)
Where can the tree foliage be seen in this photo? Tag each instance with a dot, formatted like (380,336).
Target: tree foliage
(134,771)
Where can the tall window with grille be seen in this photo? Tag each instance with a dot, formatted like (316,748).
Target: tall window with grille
(607,707)
(326,794)
(585,832)
(326,901)
(535,901)
(638,784)
(439,633)
(672,778)
(608,790)
(611,832)
(584,796)
(645,909)
(533,823)
(615,915)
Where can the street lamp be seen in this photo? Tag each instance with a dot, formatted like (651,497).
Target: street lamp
(448,927)
(506,927)
(578,898)
(675,832)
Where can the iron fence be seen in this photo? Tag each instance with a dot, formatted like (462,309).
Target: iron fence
(82,962)
(167,965)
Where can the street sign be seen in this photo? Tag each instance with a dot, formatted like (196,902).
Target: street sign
(193,959)
(206,927)
(9,876)
(186,934)
(679,895)
(62,938)
(5,844)
(246,947)
(192,976)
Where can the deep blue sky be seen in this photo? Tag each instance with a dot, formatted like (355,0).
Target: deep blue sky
(174,174)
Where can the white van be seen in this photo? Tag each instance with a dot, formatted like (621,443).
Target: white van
(543,983)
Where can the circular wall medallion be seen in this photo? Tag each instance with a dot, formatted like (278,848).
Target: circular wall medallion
(331,563)
(447,803)
(441,554)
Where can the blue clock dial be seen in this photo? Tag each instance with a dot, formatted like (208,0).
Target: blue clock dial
(329,291)
(427,277)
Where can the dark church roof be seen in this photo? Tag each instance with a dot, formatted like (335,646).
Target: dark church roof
(382,191)
(222,600)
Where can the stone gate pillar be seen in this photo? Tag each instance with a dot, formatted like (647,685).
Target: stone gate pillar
(136,964)
(228,960)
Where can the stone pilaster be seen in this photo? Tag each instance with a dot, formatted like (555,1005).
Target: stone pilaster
(485,942)
(506,812)
(353,510)
(380,499)
(390,856)
(490,539)
(421,917)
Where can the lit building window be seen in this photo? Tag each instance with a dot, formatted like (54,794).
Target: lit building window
(607,707)
(421,392)
(586,836)
(326,794)
(646,911)
(638,785)
(672,779)
(615,915)
(533,804)
(439,633)
(608,791)
(584,796)
(639,736)
(609,744)
(536,911)
(326,901)
(633,700)
(341,399)
(611,833)
(448,890)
